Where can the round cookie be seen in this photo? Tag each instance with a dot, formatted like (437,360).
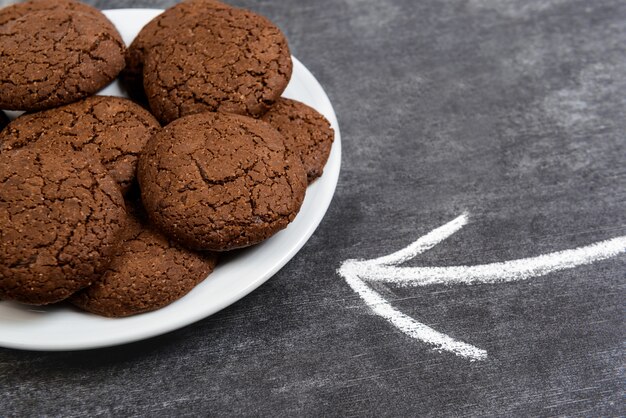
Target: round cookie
(53,57)
(147,272)
(307,133)
(230,60)
(60,218)
(114,128)
(154,33)
(217,181)
(15,11)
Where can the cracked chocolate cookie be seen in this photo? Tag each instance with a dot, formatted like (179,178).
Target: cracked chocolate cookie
(154,33)
(217,181)
(60,218)
(147,272)
(53,57)
(307,133)
(15,11)
(116,129)
(227,60)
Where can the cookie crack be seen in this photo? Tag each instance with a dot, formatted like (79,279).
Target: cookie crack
(211,182)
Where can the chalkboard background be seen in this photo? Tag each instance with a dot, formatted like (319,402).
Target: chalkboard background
(511,110)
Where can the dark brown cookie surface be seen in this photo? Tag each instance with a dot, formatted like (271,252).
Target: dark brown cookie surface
(307,133)
(147,272)
(60,217)
(154,33)
(230,60)
(220,181)
(114,128)
(18,10)
(52,57)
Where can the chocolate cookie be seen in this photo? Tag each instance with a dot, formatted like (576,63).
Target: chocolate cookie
(114,128)
(15,11)
(307,133)
(147,272)
(52,57)
(60,217)
(229,60)
(154,33)
(217,181)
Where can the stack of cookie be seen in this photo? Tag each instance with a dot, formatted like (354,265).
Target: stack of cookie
(103,206)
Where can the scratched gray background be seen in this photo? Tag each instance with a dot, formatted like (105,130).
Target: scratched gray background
(512,110)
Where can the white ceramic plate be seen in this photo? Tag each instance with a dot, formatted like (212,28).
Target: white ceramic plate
(64,328)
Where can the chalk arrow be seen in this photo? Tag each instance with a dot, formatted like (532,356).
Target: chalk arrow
(386,269)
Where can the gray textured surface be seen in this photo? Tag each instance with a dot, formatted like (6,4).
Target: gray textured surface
(512,110)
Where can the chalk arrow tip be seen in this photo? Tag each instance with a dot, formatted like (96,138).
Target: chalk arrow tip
(386,269)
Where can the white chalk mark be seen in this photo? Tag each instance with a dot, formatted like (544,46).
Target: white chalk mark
(505,271)
(405,323)
(385,269)
(424,243)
